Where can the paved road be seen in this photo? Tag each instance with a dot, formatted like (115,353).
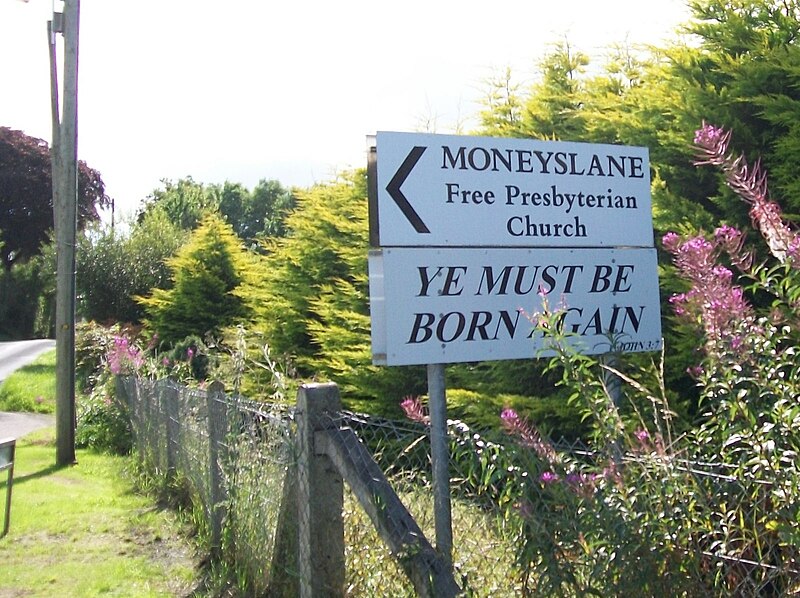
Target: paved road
(14,355)
(16,425)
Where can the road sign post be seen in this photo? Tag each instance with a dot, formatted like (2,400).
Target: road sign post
(468,235)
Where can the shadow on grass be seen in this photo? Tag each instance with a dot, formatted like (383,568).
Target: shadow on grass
(51,469)
(38,369)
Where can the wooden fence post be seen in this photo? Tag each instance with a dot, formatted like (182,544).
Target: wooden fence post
(320,498)
(429,572)
(217,433)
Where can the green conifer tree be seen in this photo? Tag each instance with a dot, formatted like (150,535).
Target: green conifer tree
(310,296)
(206,273)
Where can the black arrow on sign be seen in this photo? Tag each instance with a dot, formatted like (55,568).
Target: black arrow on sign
(393,188)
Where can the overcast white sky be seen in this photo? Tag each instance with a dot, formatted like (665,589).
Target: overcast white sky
(285,89)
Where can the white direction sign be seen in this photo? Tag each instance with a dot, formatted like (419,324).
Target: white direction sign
(458,191)
(444,305)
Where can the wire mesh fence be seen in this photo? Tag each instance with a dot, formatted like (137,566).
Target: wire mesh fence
(651,524)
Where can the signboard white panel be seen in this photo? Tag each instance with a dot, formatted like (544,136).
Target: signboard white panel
(443,305)
(458,191)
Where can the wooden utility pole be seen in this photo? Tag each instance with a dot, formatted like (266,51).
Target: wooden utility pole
(64,153)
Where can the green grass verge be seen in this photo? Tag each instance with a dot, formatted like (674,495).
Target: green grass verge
(82,531)
(31,388)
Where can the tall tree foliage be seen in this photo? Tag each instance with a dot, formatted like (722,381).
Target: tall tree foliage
(751,67)
(26,196)
(266,211)
(253,214)
(206,273)
(114,266)
(738,66)
(502,111)
(185,202)
(554,107)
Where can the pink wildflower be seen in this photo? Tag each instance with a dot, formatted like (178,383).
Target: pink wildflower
(671,241)
(548,477)
(412,406)
(509,417)
(695,371)
(123,358)
(709,137)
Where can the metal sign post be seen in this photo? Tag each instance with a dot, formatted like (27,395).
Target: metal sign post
(7,449)
(440,461)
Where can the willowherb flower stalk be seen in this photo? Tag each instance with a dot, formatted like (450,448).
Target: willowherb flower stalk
(731,240)
(713,300)
(750,183)
(528,435)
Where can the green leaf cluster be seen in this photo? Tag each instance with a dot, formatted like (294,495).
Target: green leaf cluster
(310,297)
(206,273)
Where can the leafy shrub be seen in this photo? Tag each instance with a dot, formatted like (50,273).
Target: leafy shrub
(188,359)
(103,423)
(100,350)
(24,298)
(102,353)
(310,298)
(114,267)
